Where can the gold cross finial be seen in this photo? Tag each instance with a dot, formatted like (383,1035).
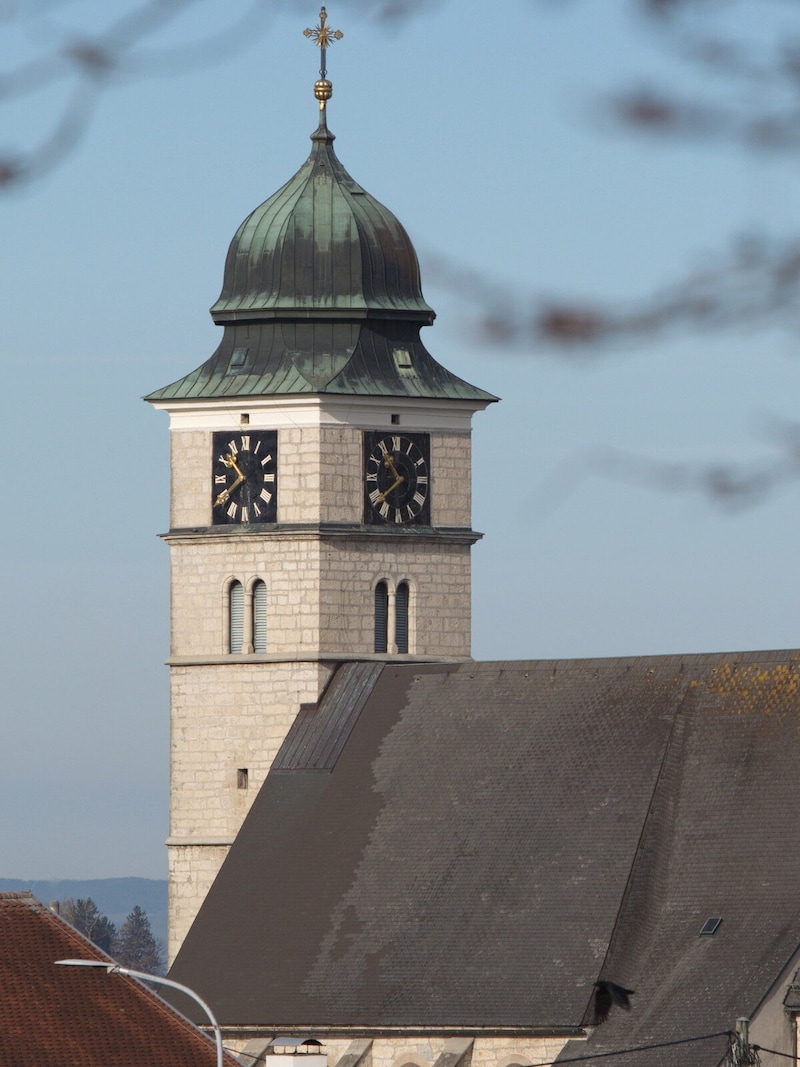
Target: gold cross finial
(323,36)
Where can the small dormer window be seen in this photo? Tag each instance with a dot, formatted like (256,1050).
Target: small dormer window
(402,359)
(238,360)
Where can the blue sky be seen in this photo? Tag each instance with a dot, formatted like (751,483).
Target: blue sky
(478,129)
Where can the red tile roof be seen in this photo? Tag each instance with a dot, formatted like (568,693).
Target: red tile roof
(80,1015)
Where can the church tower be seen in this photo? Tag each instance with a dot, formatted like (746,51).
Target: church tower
(320,497)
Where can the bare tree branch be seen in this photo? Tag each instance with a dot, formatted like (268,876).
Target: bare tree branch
(754,283)
(731,486)
(86,62)
(751,91)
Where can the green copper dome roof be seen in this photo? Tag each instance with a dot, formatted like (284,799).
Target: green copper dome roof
(321,294)
(321,247)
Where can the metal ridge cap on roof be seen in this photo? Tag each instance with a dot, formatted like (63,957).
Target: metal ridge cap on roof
(354,309)
(565,1030)
(656,660)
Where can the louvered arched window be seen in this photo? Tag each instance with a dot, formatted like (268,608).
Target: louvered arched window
(259,617)
(401,617)
(381,616)
(236,616)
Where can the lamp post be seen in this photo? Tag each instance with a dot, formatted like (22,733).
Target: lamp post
(114,968)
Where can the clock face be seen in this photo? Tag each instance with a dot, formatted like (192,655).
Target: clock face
(244,477)
(397,479)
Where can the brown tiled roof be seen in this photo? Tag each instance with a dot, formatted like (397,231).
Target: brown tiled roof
(80,1016)
(492,838)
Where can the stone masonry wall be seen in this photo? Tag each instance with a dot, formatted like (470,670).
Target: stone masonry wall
(438,575)
(320,592)
(202,570)
(451,464)
(486,1051)
(190,490)
(192,869)
(230,713)
(224,719)
(424,1051)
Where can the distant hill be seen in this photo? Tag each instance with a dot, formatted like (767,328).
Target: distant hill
(115,897)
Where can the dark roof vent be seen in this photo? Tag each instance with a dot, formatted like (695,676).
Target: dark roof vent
(710,926)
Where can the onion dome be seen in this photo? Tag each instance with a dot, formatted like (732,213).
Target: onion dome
(321,293)
(321,248)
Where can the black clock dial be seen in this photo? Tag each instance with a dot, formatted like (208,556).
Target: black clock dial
(397,479)
(244,477)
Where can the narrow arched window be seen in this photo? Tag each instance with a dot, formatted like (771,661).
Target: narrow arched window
(236,616)
(401,617)
(381,616)
(259,617)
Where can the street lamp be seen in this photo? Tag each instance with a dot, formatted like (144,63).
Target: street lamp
(114,968)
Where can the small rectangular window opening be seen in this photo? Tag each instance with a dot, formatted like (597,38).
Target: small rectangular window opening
(238,360)
(245,419)
(395,420)
(710,926)
(242,777)
(404,362)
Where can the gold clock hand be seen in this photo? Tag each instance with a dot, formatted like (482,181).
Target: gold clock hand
(388,462)
(230,461)
(225,494)
(398,481)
